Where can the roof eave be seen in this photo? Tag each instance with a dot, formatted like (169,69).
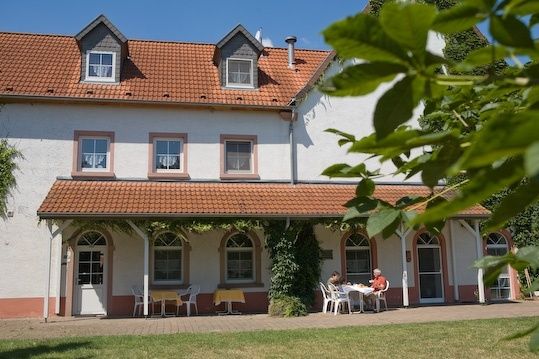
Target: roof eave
(14,98)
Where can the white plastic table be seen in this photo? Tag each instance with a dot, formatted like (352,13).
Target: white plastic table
(361,290)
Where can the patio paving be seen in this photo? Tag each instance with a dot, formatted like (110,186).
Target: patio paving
(92,326)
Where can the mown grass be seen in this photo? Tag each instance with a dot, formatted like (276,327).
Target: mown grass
(459,339)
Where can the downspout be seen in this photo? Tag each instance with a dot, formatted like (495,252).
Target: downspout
(293,118)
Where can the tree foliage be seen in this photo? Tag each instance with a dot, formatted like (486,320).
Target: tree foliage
(483,115)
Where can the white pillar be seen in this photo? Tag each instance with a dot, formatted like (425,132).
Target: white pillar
(47,273)
(144,236)
(48,257)
(454,262)
(402,235)
(479,244)
(58,274)
(146,269)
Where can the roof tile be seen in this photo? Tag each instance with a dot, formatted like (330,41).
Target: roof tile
(130,198)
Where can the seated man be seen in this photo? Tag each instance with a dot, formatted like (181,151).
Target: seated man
(378,284)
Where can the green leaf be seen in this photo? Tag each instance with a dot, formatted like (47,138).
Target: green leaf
(484,56)
(362,37)
(362,204)
(345,170)
(482,185)
(522,7)
(362,79)
(457,18)
(378,221)
(530,255)
(510,31)
(502,136)
(531,160)
(396,106)
(443,157)
(391,228)
(365,188)
(534,20)
(408,24)
(514,203)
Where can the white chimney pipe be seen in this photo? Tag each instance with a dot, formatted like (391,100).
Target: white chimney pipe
(291,40)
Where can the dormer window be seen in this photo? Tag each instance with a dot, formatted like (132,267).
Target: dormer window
(239,73)
(100,66)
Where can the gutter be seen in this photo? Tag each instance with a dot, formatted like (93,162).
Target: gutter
(78,100)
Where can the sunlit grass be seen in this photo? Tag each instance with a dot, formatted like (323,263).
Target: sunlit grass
(459,339)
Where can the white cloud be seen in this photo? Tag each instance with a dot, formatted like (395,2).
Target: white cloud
(266,41)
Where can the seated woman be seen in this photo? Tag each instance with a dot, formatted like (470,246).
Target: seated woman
(336,279)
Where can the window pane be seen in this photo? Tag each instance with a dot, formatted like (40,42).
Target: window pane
(94,59)
(93,70)
(239,72)
(161,147)
(106,59)
(238,155)
(88,145)
(96,256)
(84,256)
(97,278)
(358,261)
(101,146)
(84,279)
(244,66)
(84,268)
(431,285)
(429,259)
(173,147)
(97,268)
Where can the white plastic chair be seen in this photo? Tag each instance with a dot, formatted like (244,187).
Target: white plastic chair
(326,295)
(339,299)
(193,292)
(139,300)
(381,296)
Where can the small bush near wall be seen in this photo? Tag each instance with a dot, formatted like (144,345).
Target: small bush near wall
(286,306)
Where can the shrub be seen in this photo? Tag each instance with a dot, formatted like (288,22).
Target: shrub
(286,306)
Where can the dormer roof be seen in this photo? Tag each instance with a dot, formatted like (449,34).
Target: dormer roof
(101,19)
(240,29)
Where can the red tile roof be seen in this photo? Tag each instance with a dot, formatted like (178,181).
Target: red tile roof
(72,198)
(163,72)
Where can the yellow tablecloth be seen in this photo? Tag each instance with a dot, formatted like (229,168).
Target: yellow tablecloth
(228,295)
(159,295)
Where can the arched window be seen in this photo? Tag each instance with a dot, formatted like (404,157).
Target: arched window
(92,238)
(167,258)
(358,258)
(239,258)
(497,246)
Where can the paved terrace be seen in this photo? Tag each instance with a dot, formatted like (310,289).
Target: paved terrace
(91,326)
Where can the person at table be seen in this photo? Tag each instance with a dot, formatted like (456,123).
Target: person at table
(336,279)
(377,284)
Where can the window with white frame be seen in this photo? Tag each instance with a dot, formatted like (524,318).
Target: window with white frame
(94,153)
(168,154)
(239,259)
(100,66)
(358,259)
(167,258)
(497,246)
(238,156)
(239,72)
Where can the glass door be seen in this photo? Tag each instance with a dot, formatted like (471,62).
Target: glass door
(431,288)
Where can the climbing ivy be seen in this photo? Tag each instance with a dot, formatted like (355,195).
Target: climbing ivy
(8,156)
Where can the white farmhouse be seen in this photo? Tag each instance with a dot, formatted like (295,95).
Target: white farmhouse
(118,129)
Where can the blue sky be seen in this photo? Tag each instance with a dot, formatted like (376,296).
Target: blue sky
(194,21)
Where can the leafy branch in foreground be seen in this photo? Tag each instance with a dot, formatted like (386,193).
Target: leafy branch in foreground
(484,117)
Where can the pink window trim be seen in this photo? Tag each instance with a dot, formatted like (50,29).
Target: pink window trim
(223,173)
(152,173)
(77,171)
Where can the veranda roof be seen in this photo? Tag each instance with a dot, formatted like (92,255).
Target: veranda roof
(128,199)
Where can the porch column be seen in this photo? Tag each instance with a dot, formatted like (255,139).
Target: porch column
(144,236)
(479,245)
(48,257)
(402,235)
(479,248)
(454,262)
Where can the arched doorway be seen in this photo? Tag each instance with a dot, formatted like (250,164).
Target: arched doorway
(497,246)
(90,289)
(430,269)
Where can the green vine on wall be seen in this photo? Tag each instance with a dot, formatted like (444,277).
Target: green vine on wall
(8,156)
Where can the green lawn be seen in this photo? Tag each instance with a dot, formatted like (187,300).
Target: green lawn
(462,339)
